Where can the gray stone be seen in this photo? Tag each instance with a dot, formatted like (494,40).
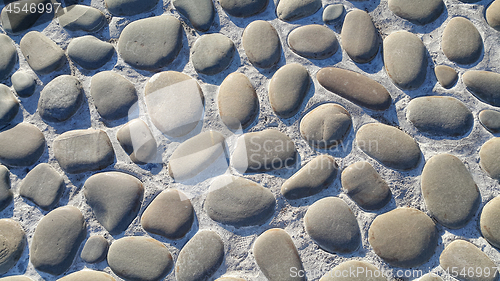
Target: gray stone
(200,13)
(5,191)
(22,145)
(333,12)
(488,157)
(365,186)
(170,215)
(493,15)
(115,199)
(237,101)
(228,278)
(60,98)
(261,44)
(326,125)
(139,41)
(57,238)
(95,249)
(140,258)
(12,243)
(419,11)
(200,257)
(404,237)
(24,84)
(313,41)
(16,278)
(212,53)
(41,53)
(389,145)
(446,76)
(290,10)
(490,119)
(14,21)
(360,38)
(405,59)
(430,277)
(81,151)
(439,115)
(85,275)
(484,85)
(461,42)
(90,52)
(277,256)
(8,56)
(488,222)
(239,202)
(9,106)
(263,151)
(43,185)
(129,7)
(288,88)
(136,139)
(243,8)
(113,94)
(355,87)
(364,271)
(81,17)
(469,1)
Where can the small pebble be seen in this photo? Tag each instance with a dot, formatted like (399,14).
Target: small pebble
(333,12)
(261,44)
(90,52)
(9,106)
(8,56)
(95,249)
(313,41)
(243,8)
(363,271)
(43,186)
(488,222)
(81,17)
(360,38)
(24,84)
(493,15)
(41,53)
(290,10)
(23,145)
(12,243)
(5,188)
(237,101)
(200,13)
(417,11)
(15,22)
(461,42)
(490,119)
(136,139)
(60,98)
(484,85)
(488,157)
(85,275)
(446,76)
(129,7)
(113,95)
(212,53)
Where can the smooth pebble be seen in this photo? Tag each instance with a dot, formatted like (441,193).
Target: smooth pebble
(129,7)
(114,95)
(261,43)
(364,271)
(237,101)
(6,194)
(81,17)
(290,10)
(461,42)
(243,8)
(493,15)
(446,76)
(484,85)
(313,41)
(8,56)
(12,244)
(95,249)
(325,126)
(136,139)
(490,119)
(488,222)
(16,21)
(60,98)
(333,12)
(417,11)
(9,106)
(24,84)
(90,52)
(200,13)
(212,53)
(23,145)
(488,157)
(85,275)
(41,53)
(360,38)
(43,186)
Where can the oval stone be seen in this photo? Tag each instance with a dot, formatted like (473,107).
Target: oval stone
(113,94)
(90,52)
(12,243)
(417,11)
(488,157)
(333,12)
(136,139)
(488,222)
(9,106)
(129,7)
(22,145)
(41,53)
(360,38)
(446,76)
(95,249)
(326,125)
(60,98)
(490,119)
(484,85)
(43,185)
(81,17)
(8,56)
(290,10)
(313,41)
(243,8)
(261,44)
(212,53)
(6,194)
(16,20)
(493,15)
(364,271)
(24,84)
(200,13)
(85,275)
(461,42)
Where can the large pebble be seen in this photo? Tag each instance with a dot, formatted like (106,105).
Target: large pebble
(490,119)
(389,145)
(90,52)
(488,157)
(136,139)
(243,8)
(485,85)
(288,88)
(360,38)
(57,238)
(417,11)
(22,145)
(239,202)
(404,237)
(16,21)
(129,7)
(43,185)
(326,125)
(113,94)
(200,13)
(85,275)
(9,106)
(200,257)
(24,84)
(115,199)
(461,42)
(81,17)
(261,43)
(140,258)
(277,256)
(355,87)
(488,222)
(41,53)
(95,249)
(446,76)
(290,10)
(363,271)
(139,41)
(8,56)
(237,101)
(5,191)
(80,151)
(313,41)
(12,243)
(212,53)
(60,98)
(493,15)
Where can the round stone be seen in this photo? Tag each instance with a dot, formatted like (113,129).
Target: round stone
(417,11)
(136,139)
(461,41)
(484,85)
(113,95)
(15,21)
(200,13)
(446,76)
(41,53)
(261,44)
(90,52)
(24,84)
(360,38)
(290,10)
(81,17)
(488,157)
(95,249)
(212,53)
(243,8)
(60,98)
(9,106)
(333,12)
(12,243)
(129,7)
(85,275)
(43,185)
(363,271)
(22,145)
(6,194)
(488,222)
(313,41)
(490,119)
(493,15)
(8,56)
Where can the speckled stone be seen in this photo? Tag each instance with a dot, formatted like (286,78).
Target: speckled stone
(24,84)
(446,76)
(90,52)
(85,275)
(261,44)
(488,222)
(493,15)
(461,42)
(404,237)
(313,41)
(9,106)
(8,56)
(212,53)
(333,12)
(113,94)
(17,22)
(12,243)
(95,249)
(360,38)
(81,17)
(5,191)
(417,11)
(43,186)
(60,98)
(488,157)
(290,10)
(363,271)
(200,13)
(129,7)
(23,145)
(326,125)
(484,85)
(41,53)
(243,8)
(490,119)
(136,139)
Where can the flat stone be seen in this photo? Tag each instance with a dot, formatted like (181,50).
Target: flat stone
(420,11)
(405,59)
(261,44)
(239,202)
(430,277)
(450,193)
(9,106)
(12,243)
(360,38)
(333,12)
(175,102)
(311,179)
(484,85)
(355,87)
(5,191)
(8,56)
(43,186)
(364,271)
(493,15)
(81,151)
(326,125)
(243,8)
(290,10)
(277,256)
(263,151)
(41,53)
(200,13)
(461,42)
(115,199)
(113,94)
(22,145)
(488,222)
(446,76)
(90,52)
(136,139)
(95,249)
(170,215)
(24,84)
(85,275)
(404,237)
(365,186)
(288,88)
(57,238)
(16,278)
(60,98)
(313,41)
(81,17)
(389,145)
(18,21)
(237,101)
(212,53)
(490,119)
(488,157)
(140,258)
(129,7)
(139,41)
(461,255)
(440,115)
(200,257)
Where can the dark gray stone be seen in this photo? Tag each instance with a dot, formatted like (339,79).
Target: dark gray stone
(95,249)
(41,53)
(81,17)
(326,125)
(14,21)
(360,38)
(488,157)
(24,84)
(237,101)
(8,56)
(417,11)
(490,119)
(484,85)
(212,53)
(313,41)
(90,52)
(200,13)
(5,191)
(60,98)
(129,7)
(12,243)
(9,106)
(363,271)
(136,139)
(22,145)
(113,94)
(333,12)
(488,223)
(446,76)
(43,185)
(262,44)
(290,10)
(243,8)
(461,42)
(85,275)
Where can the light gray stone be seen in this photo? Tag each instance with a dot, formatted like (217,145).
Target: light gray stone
(237,101)
(95,249)
(229,279)
(290,10)
(113,94)
(90,52)
(333,12)
(41,53)
(484,85)
(364,271)
(16,21)
(446,76)
(43,185)
(16,278)
(23,145)
(212,53)
(493,15)
(243,8)
(313,41)
(60,98)
(129,7)
(430,277)
(136,139)
(5,191)
(12,243)
(81,17)
(200,13)
(360,38)
(488,157)
(24,84)
(8,56)
(85,275)
(461,42)
(488,222)
(419,11)
(9,106)
(261,44)
(490,119)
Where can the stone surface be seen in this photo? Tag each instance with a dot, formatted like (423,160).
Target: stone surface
(355,87)
(446,76)
(261,44)
(277,256)
(326,125)
(389,145)
(288,88)
(290,10)
(488,157)
(139,41)
(239,202)
(5,191)
(364,271)
(360,38)
(484,85)
(461,42)
(81,17)
(490,119)
(365,186)
(333,12)
(57,239)
(113,94)
(488,222)
(430,277)
(405,59)
(243,8)
(9,106)
(80,151)
(18,21)
(212,53)
(237,101)
(90,52)
(419,11)
(12,243)
(41,53)
(129,7)
(200,13)
(140,258)
(170,215)
(493,15)
(43,186)
(136,139)
(200,257)
(8,56)
(404,237)
(313,41)
(228,278)
(24,84)
(115,199)
(85,275)
(23,145)
(60,98)
(16,278)
(95,249)
(312,178)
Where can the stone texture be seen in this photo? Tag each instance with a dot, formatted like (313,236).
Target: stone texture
(90,52)
(16,278)
(24,84)
(200,13)
(325,126)
(41,53)
(333,12)
(237,101)
(290,10)
(488,157)
(228,278)
(23,145)
(490,119)
(360,38)
(484,85)
(261,44)
(9,106)
(212,53)
(85,275)
(129,7)
(488,222)
(243,8)
(113,94)
(461,42)
(493,15)
(95,249)
(5,191)
(12,243)
(364,271)
(60,98)
(136,139)
(313,41)
(420,11)
(8,56)
(43,186)
(81,17)
(446,76)
(18,21)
